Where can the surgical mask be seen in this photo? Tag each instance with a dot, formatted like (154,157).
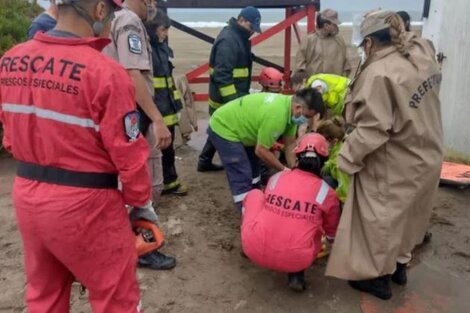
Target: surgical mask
(97,26)
(151,12)
(299,120)
(362,54)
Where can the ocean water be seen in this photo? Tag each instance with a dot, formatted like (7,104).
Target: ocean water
(269,17)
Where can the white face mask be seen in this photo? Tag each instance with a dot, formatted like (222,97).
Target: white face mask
(362,54)
(151,11)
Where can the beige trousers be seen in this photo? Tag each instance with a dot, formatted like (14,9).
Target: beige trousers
(154,163)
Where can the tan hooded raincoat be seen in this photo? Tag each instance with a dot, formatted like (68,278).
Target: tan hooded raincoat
(323,54)
(394,156)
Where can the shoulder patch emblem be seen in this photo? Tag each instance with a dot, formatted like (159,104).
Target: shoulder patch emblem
(135,44)
(132,125)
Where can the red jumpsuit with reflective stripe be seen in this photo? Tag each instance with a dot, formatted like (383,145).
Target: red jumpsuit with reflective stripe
(63,104)
(282,228)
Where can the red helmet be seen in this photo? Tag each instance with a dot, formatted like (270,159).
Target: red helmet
(271,78)
(313,142)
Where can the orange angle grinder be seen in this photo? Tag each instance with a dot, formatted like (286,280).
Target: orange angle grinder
(148,237)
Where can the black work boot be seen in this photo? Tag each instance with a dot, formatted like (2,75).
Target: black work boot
(399,276)
(205,159)
(379,287)
(209,167)
(157,261)
(296,281)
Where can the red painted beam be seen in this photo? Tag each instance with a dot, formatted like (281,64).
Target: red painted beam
(278,27)
(292,17)
(311,16)
(255,41)
(197,72)
(287,48)
(201,97)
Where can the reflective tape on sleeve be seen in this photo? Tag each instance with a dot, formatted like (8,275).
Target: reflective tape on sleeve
(170,120)
(213,104)
(159,82)
(322,193)
(50,115)
(228,90)
(241,72)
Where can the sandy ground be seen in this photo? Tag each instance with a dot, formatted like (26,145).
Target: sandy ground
(202,231)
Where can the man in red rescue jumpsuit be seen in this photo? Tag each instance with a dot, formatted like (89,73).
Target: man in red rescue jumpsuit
(282,229)
(70,120)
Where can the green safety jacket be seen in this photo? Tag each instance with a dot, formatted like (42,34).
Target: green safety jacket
(331,168)
(337,90)
(230,65)
(167,97)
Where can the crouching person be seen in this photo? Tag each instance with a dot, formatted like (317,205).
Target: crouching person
(245,129)
(282,229)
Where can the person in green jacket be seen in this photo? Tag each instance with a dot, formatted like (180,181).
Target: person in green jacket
(167,97)
(333,130)
(334,89)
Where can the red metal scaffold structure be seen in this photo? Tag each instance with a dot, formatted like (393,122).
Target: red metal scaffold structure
(295,10)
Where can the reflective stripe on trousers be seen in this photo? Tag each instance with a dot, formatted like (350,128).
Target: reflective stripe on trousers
(240,197)
(170,120)
(240,163)
(160,82)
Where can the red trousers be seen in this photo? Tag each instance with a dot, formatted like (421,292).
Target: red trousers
(77,233)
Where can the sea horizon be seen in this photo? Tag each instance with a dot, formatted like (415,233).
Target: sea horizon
(216,18)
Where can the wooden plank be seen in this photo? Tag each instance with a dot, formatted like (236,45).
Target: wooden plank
(225,4)
(454,174)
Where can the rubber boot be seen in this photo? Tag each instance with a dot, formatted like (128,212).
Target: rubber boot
(379,287)
(205,159)
(399,276)
(296,281)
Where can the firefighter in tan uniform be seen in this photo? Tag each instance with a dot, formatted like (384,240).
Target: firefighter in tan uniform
(131,48)
(325,50)
(393,155)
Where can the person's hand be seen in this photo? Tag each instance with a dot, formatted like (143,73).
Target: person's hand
(326,245)
(162,135)
(302,130)
(146,212)
(316,121)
